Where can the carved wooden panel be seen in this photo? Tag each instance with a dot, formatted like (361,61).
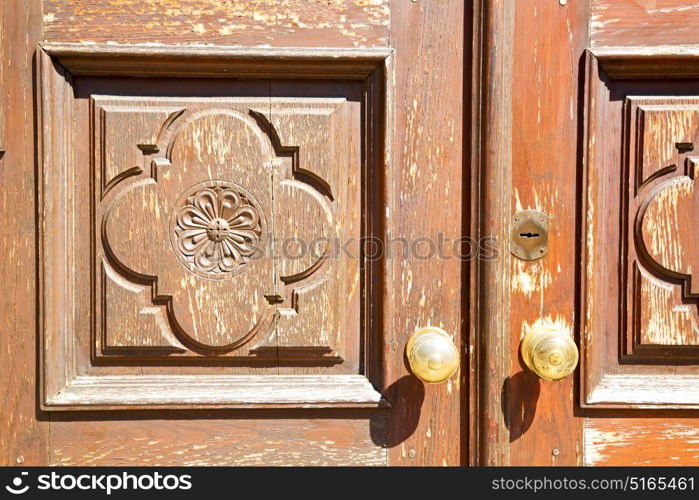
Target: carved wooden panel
(192,225)
(641,240)
(203,227)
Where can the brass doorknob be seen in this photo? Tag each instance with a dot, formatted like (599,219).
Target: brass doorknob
(549,352)
(432,355)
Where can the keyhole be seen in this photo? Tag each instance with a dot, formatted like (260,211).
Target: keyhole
(529,235)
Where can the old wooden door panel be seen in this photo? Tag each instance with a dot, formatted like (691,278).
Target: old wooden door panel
(430,427)
(641,441)
(544,123)
(530,161)
(224,438)
(604,143)
(207,238)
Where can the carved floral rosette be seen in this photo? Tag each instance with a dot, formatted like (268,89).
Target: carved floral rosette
(217,229)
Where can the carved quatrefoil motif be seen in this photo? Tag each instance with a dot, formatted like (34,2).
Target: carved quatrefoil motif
(194,202)
(217,229)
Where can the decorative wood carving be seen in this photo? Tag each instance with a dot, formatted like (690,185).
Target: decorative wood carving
(641,242)
(217,229)
(192,197)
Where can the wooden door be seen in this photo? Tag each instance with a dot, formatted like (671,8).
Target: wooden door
(188,190)
(592,119)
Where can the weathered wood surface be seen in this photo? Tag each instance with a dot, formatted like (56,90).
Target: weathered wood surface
(24,432)
(339,437)
(281,23)
(665,280)
(163,295)
(224,391)
(639,327)
(627,23)
(540,415)
(213,61)
(258,438)
(354,78)
(425,423)
(641,441)
(491,339)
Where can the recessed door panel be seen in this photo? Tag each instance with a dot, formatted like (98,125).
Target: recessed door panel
(202,235)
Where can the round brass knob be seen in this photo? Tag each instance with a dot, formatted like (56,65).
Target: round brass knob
(550,353)
(432,355)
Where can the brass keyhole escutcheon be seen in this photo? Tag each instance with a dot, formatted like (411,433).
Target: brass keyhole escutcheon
(432,355)
(549,352)
(529,237)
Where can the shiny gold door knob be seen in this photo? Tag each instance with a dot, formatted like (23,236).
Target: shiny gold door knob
(432,355)
(549,352)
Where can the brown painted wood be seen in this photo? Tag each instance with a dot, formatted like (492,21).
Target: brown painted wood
(120,330)
(394,120)
(425,422)
(491,336)
(24,430)
(591,157)
(281,23)
(641,441)
(257,439)
(545,107)
(639,353)
(530,149)
(634,23)
(472,131)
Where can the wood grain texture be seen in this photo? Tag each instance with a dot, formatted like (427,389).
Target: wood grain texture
(161,225)
(3,77)
(625,23)
(259,439)
(641,442)
(318,200)
(214,61)
(222,391)
(160,294)
(666,311)
(24,432)
(492,337)
(281,23)
(637,229)
(425,190)
(544,154)
(472,206)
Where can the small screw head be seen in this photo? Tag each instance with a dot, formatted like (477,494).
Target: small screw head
(555,452)
(412,453)
(20,459)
